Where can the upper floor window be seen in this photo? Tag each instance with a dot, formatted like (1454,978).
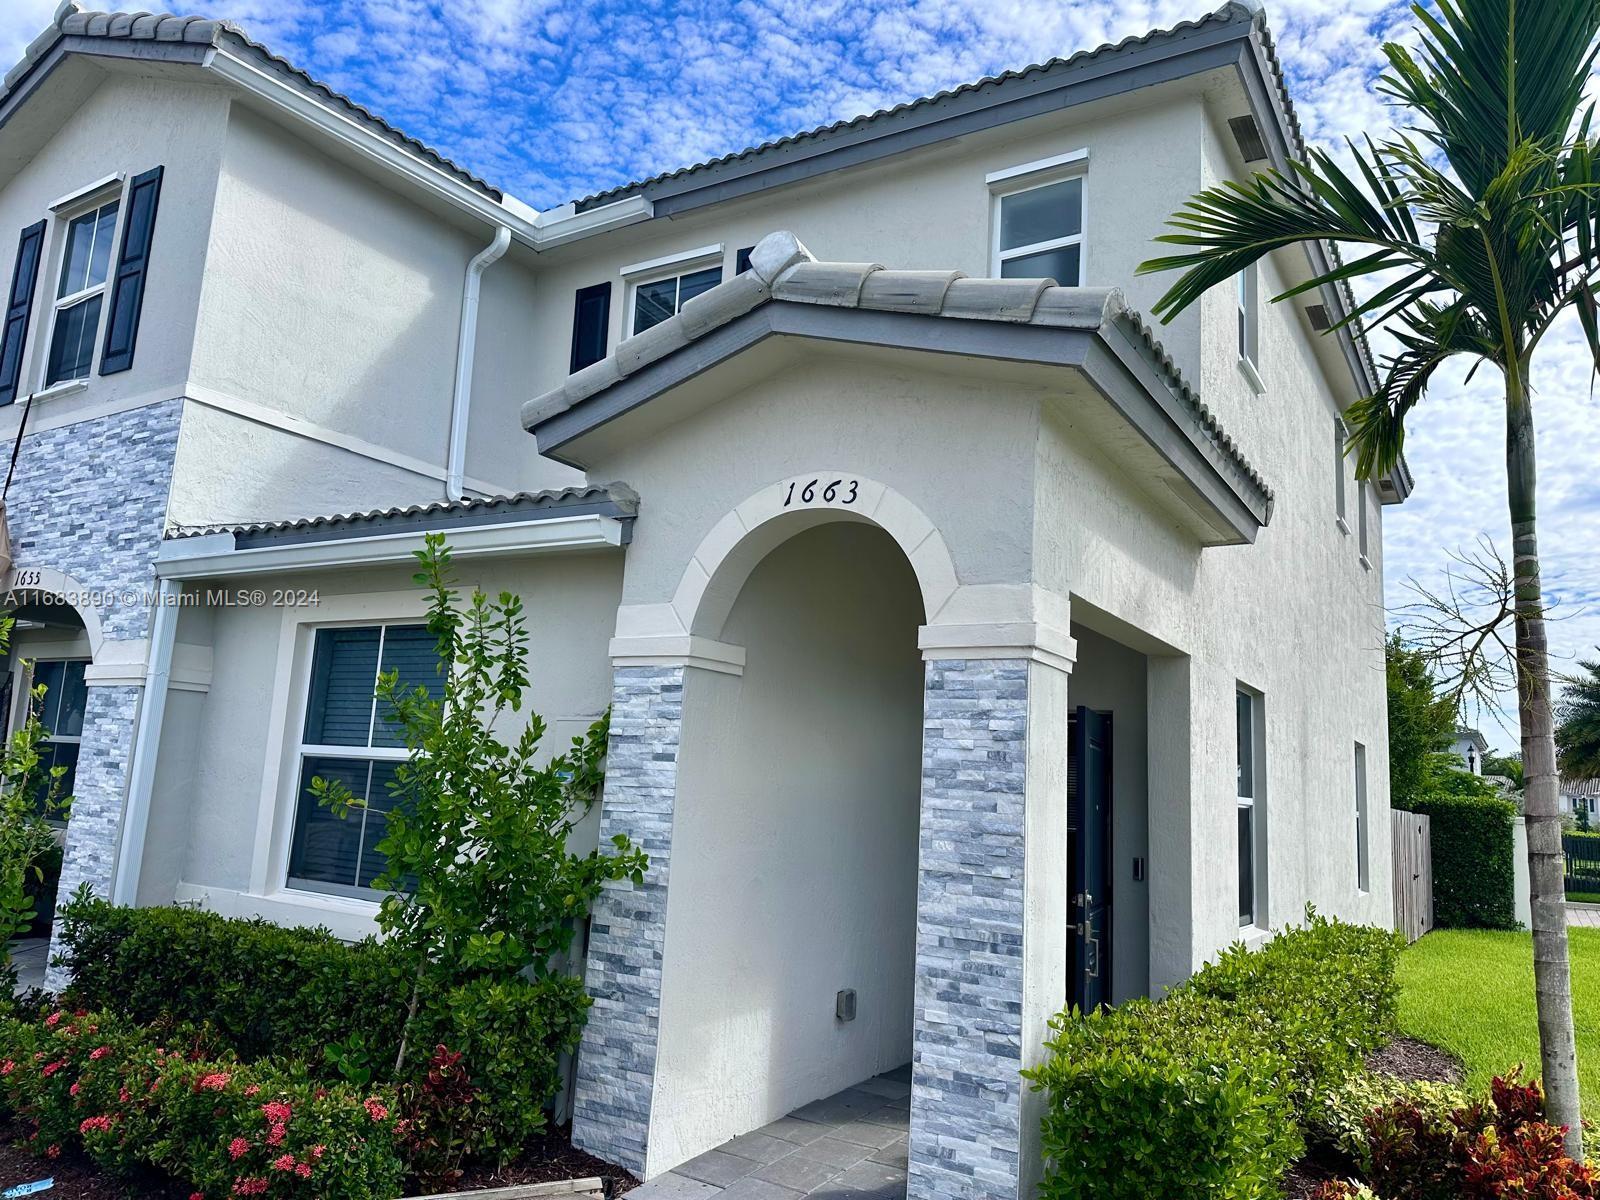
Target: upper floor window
(80,293)
(1340,487)
(1248,305)
(347,736)
(658,299)
(1039,231)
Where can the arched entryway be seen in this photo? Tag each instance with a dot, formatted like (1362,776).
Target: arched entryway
(792,919)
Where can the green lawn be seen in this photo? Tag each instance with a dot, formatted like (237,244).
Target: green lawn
(1472,993)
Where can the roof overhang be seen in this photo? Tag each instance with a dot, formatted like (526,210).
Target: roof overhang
(1106,366)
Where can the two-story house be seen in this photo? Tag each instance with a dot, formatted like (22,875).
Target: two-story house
(973,648)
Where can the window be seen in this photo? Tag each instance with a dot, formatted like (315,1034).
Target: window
(1039,232)
(61,713)
(80,293)
(1363,860)
(1340,488)
(1247,724)
(591,324)
(1249,320)
(741,259)
(658,299)
(348,738)
(1361,523)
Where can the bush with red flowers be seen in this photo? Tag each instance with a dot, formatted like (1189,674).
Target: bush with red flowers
(94,1082)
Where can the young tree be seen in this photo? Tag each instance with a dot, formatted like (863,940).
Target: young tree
(1481,256)
(1420,724)
(479,874)
(1578,733)
(29,793)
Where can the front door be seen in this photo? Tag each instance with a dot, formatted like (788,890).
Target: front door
(1089,875)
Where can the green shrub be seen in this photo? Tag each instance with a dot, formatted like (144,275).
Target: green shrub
(1474,855)
(1202,1095)
(266,989)
(1338,1122)
(99,1083)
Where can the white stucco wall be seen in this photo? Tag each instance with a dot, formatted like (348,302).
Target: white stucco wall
(794,845)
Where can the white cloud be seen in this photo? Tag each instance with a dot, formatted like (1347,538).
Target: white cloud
(556,98)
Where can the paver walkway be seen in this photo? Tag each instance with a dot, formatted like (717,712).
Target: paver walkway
(851,1146)
(1585,916)
(29,956)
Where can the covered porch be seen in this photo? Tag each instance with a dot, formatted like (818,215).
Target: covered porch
(892,776)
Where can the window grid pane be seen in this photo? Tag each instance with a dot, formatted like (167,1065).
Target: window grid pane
(1061,264)
(72,341)
(1041,214)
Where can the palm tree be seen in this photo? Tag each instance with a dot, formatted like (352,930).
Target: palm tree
(1486,226)
(1578,734)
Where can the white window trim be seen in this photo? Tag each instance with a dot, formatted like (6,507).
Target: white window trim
(1256,803)
(1027,177)
(1341,477)
(90,195)
(89,199)
(1249,306)
(674,266)
(275,813)
(1363,525)
(1363,823)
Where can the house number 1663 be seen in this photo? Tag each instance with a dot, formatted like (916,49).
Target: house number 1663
(829,491)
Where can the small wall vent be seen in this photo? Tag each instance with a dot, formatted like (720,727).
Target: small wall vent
(1317,314)
(844,1005)
(1248,135)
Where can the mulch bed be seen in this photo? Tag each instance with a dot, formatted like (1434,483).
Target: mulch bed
(551,1158)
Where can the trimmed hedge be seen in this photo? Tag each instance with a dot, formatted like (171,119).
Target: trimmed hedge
(264,991)
(102,1085)
(1203,1095)
(1474,860)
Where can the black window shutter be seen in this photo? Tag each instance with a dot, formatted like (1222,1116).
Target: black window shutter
(19,306)
(127,286)
(591,322)
(741,260)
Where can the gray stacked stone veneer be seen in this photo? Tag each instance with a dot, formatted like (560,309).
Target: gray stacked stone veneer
(966,1091)
(617,1061)
(90,500)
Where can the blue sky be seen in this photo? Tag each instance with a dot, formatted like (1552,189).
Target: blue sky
(552,101)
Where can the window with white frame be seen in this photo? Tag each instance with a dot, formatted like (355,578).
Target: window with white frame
(80,293)
(1038,231)
(1361,523)
(1363,853)
(655,300)
(1340,465)
(347,737)
(1248,728)
(1247,296)
(60,712)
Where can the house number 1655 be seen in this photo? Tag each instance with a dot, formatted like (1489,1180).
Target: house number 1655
(829,491)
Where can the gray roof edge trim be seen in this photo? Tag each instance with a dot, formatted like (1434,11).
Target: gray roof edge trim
(426,522)
(1133,55)
(1010,340)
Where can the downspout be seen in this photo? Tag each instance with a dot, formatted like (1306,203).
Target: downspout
(146,744)
(456,461)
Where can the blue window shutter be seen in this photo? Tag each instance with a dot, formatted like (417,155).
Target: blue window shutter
(19,307)
(591,324)
(127,286)
(741,260)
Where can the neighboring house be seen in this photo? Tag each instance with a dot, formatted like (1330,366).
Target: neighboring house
(956,630)
(1581,796)
(1469,746)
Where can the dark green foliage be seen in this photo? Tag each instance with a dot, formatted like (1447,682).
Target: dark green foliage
(1421,724)
(1578,724)
(1200,1096)
(1474,857)
(1508,766)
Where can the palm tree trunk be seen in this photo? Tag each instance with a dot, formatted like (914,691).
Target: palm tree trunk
(1558,1050)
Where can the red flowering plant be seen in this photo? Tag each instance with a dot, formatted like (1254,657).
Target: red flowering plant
(439,1116)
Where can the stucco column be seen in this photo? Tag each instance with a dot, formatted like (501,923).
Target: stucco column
(99,793)
(1170,706)
(627,933)
(991,908)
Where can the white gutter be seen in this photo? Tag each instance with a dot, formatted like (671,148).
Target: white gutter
(213,556)
(146,744)
(466,349)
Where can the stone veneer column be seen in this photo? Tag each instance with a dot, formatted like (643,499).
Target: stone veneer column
(617,1060)
(991,922)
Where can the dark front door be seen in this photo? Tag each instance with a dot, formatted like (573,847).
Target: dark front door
(1089,875)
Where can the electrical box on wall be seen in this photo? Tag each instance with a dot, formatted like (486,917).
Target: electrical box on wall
(844,1005)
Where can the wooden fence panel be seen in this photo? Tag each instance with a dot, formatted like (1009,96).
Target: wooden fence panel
(1413,874)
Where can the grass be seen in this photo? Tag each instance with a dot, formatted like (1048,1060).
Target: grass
(1471,992)
(1584,897)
